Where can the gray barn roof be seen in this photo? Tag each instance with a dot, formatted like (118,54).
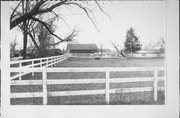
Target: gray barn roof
(82,47)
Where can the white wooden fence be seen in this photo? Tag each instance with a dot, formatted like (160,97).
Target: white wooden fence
(37,63)
(107,80)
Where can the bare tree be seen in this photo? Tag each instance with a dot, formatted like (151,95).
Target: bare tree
(13,45)
(101,48)
(41,7)
(33,10)
(117,48)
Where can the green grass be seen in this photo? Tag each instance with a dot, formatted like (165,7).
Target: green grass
(124,98)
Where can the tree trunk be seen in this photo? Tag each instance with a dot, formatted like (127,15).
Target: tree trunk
(25,27)
(24,40)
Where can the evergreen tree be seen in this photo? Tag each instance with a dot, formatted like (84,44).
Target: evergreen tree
(131,44)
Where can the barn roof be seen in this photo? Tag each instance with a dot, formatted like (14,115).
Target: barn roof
(82,47)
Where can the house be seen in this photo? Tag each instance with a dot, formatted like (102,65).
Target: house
(82,49)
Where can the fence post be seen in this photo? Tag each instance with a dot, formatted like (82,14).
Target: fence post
(44,80)
(40,62)
(47,62)
(32,67)
(107,87)
(51,62)
(20,73)
(56,61)
(155,83)
(59,59)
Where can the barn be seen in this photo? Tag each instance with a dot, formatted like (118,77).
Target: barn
(82,49)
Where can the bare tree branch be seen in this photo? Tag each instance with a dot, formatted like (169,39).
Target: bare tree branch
(31,36)
(46,26)
(35,11)
(14,10)
(115,45)
(102,10)
(65,23)
(85,10)
(70,37)
(52,7)
(56,15)
(37,6)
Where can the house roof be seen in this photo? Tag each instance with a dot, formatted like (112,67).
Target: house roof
(82,47)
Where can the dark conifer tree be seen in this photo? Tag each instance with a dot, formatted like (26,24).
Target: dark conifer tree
(132,43)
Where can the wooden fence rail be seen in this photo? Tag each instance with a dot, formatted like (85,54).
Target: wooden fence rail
(40,63)
(107,80)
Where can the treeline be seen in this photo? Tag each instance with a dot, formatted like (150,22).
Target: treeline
(36,54)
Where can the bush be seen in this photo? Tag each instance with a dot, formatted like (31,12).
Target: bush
(16,55)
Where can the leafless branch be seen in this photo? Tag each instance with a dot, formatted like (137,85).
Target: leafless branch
(31,36)
(14,10)
(35,11)
(85,10)
(70,37)
(52,7)
(56,15)
(65,23)
(37,6)
(46,26)
(115,45)
(102,10)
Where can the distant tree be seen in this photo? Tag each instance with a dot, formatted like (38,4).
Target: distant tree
(31,49)
(161,43)
(44,38)
(131,44)
(117,48)
(13,45)
(101,48)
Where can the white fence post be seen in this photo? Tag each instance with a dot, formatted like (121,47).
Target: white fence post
(44,78)
(155,83)
(47,62)
(54,62)
(40,62)
(50,62)
(20,73)
(32,67)
(107,87)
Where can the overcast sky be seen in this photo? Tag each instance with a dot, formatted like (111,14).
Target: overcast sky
(147,17)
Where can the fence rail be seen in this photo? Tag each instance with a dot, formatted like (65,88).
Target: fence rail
(107,81)
(36,63)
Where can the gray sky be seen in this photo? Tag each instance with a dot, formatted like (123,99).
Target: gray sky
(147,17)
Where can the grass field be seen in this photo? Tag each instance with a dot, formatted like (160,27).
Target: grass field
(117,62)
(124,98)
